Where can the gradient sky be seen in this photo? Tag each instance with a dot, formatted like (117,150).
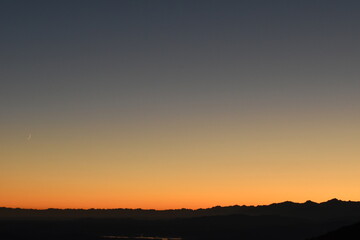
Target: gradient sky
(171,104)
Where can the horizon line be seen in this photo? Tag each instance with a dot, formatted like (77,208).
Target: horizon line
(175,209)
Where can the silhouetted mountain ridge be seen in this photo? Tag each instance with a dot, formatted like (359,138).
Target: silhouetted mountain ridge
(278,221)
(332,209)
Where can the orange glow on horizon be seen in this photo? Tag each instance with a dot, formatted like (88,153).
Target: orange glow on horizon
(185,166)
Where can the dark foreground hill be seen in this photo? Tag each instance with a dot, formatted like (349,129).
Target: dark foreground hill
(351,232)
(216,227)
(281,221)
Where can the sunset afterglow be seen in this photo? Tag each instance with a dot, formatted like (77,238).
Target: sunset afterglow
(135,104)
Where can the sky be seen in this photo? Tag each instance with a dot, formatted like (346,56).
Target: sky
(178,104)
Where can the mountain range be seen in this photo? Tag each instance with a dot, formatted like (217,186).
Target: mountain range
(281,221)
(333,208)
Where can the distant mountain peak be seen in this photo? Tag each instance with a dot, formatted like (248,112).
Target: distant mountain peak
(285,203)
(334,200)
(309,202)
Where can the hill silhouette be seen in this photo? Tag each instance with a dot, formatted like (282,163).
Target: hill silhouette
(286,220)
(333,208)
(344,233)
